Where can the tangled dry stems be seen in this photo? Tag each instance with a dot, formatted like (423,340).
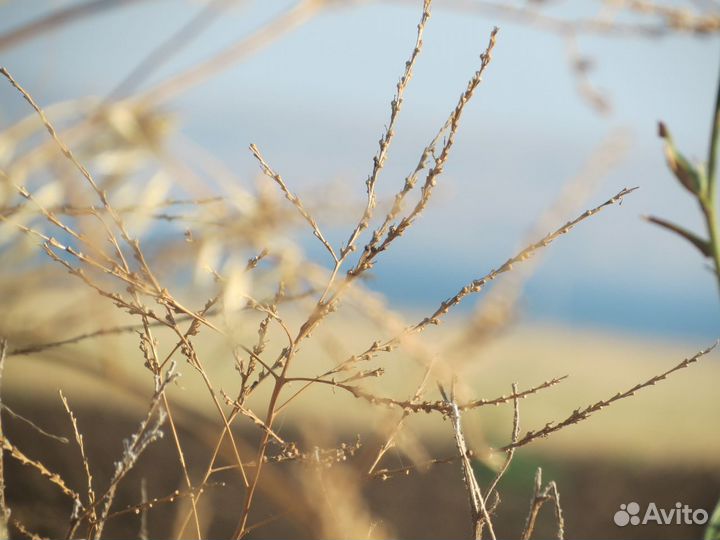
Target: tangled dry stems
(118,269)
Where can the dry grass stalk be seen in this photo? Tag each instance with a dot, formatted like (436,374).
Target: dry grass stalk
(376,245)
(54,478)
(477,285)
(541,495)
(287,21)
(4,510)
(57,19)
(145,435)
(509,454)
(650,20)
(499,309)
(390,439)
(25,532)
(579,415)
(675,19)
(90,503)
(146,504)
(294,199)
(168,48)
(478,509)
(387,137)
(145,282)
(117,268)
(414,405)
(33,425)
(143,533)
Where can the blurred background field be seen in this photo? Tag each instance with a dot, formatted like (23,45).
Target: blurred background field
(646,449)
(564,118)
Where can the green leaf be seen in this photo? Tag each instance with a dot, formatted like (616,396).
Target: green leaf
(713,529)
(690,176)
(703,245)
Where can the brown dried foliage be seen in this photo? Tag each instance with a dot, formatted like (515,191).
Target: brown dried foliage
(95,244)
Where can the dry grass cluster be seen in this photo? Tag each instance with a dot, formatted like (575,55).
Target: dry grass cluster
(178,273)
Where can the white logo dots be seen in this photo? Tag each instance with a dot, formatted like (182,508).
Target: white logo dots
(628,514)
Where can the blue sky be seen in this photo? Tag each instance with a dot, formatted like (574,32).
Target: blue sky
(315,102)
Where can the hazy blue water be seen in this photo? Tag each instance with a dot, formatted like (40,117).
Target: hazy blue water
(418,282)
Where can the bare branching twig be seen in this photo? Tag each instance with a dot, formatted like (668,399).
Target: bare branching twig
(480,516)
(541,495)
(4,510)
(83,232)
(578,415)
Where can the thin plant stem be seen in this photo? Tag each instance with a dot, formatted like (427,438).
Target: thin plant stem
(708,201)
